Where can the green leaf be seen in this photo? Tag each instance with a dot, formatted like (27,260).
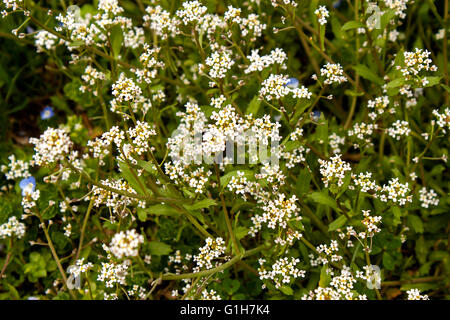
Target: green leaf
(416,223)
(159,248)
(421,250)
(352,25)
(254,105)
(396,83)
(162,210)
(323,198)
(338,223)
(135,182)
(116,38)
(205,203)
(287,290)
(432,81)
(388,261)
(368,74)
(325,277)
(303,181)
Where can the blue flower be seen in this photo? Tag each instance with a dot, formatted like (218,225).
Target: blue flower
(337,4)
(316,115)
(47,113)
(27,185)
(292,83)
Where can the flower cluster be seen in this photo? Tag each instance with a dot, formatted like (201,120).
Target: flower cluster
(79,267)
(213,249)
(334,171)
(333,73)
(399,128)
(126,244)
(16,168)
(396,192)
(428,197)
(52,146)
(322,14)
(12,228)
(112,273)
(276,87)
(281,272)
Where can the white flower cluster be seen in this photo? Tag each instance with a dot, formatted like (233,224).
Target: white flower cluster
(341,288)
(414,294)
(335,141)
(140,135)
(110,6)
(380,104)
(400,6)
(113,200)
(333,73)
(363,131)
(160,21)
(291,2)
(428,197)
(79,267)
(363,180)
(370,222)
(295,156)
(322,14)
(16,168)
(395,191)
(443,119)
(333,170)
(399,128)
(45,40)
(275,213)
(91,77)
(52,146)
(219,63)
(291,236)
(124,89)
(330,252)
(213,249)
(276,87)
(112,273)
(126,244)
(415,62)
(281,272)
(138,291)
(193,11)
(12,228)
(210,295)
(150,64)
(100,147)
(233,15)
(259,63)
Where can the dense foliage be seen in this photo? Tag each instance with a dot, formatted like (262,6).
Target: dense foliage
(260,149)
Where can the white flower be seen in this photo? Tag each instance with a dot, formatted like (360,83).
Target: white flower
(322,14)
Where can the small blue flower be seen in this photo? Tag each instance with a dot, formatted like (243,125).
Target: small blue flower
(292,83)
(27,185)
(29,29)
(47,113)
(337,3)
(316,115)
